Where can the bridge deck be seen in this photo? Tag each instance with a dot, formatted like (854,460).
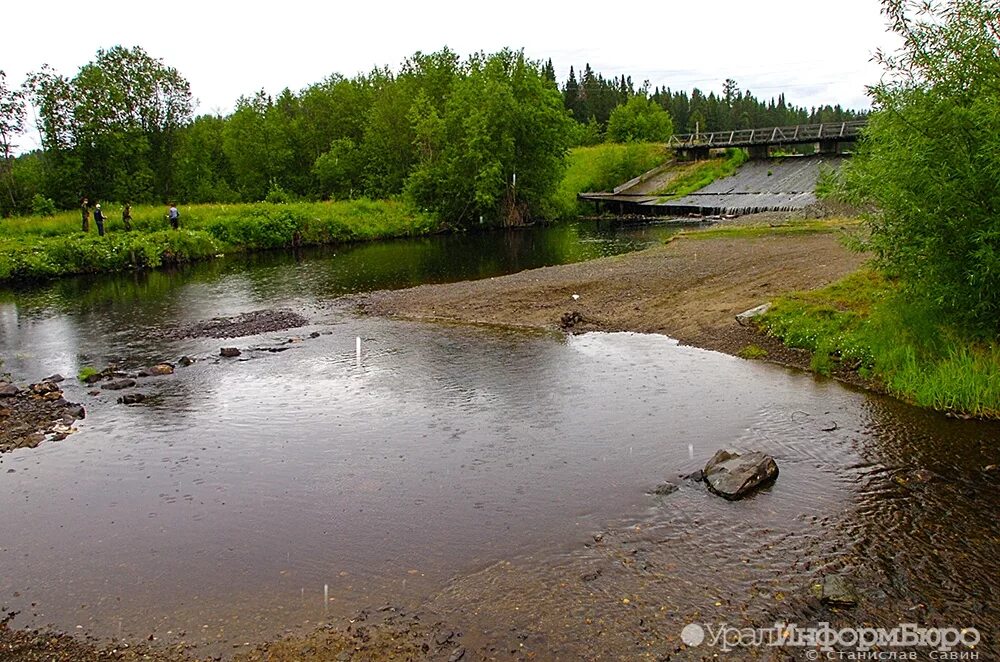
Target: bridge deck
(777,135)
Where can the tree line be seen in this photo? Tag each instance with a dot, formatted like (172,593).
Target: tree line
(482,137)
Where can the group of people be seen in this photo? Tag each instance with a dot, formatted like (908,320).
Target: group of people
(173,216)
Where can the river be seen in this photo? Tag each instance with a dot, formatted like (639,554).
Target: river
(497,479)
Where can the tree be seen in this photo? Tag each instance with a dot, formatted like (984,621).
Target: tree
(129,107)
(639,120)
(930,158)
(11,125)
(495,149)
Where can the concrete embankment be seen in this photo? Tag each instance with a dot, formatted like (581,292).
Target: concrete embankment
(781,184)
(766,185)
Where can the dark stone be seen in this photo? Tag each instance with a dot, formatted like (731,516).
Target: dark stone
(229,352)
(697,476)
(186,361)
(94,378)
(55,379)
(838,592)
(160,369)
(43,388)
(571,319)
(443,637)
(119,384)
(314,334)
(590,576)
(132,398)
(733,476)
(456,655)
(663,489)
(8,390)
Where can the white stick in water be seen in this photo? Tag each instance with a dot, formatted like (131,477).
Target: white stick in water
(359,351)
(326,597)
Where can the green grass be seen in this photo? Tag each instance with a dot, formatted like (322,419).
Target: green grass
(847,225)
(702,173)
(34,248)
(753,352)
(602,168)
(866,323)
(86,372)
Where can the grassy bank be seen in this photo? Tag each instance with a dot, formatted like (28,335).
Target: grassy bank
(601,168)
(35,248)
(863,322)
(699,174)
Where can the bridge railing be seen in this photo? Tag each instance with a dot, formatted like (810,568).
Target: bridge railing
(775,135)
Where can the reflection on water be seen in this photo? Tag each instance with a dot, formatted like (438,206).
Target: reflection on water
(466,470)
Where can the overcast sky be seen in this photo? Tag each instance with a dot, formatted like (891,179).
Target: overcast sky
(815,52)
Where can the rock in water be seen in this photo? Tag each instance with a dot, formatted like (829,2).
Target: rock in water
(119,384)
(8,390)
(160,369)
(229,352)
(733,476)
(132,398)
(838,592)
(663,489)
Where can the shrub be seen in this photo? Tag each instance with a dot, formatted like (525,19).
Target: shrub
(42,206)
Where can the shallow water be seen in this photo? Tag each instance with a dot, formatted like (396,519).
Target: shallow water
(461,469)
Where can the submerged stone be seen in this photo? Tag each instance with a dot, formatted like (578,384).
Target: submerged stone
(663,489)
(838,592)
(733,476)
(119,384)
(229,352)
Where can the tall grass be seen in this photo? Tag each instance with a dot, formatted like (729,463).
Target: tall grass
(865,323)
(32,248)
(602,168)
(700,174)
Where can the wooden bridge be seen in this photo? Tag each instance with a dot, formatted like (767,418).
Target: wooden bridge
(828,135)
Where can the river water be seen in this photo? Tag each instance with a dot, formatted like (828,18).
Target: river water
(497,479)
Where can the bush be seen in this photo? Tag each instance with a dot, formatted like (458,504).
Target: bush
(930,160)
(42,206)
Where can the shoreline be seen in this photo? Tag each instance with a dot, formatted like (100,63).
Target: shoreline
(690,289)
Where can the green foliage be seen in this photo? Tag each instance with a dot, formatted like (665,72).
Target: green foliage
(702,173)
(494,149)
(42,206)
(930,160)
(864,323)
(337,171)
(639,120)
(33,248)
(86,372)
(601,168)
(276,195)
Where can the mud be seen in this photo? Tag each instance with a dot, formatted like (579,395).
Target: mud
(247,324)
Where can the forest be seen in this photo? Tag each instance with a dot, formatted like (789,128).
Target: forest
(480,137)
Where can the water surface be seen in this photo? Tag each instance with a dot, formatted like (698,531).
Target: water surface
(462,469)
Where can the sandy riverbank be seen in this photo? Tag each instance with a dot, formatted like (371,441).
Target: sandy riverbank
(690,289)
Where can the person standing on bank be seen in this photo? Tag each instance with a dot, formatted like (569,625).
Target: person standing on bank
(85,213)
(99,219)
(174,216)
(127,216)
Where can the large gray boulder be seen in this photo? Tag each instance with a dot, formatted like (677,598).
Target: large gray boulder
(733,476)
